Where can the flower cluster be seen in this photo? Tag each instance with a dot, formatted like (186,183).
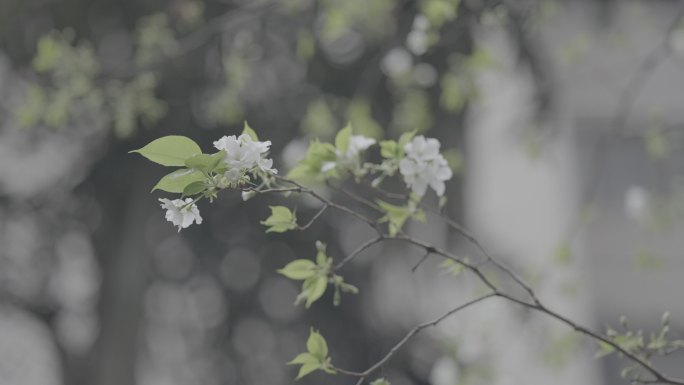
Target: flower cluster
(244,154)
(424,166)
(181,213)
(242,164)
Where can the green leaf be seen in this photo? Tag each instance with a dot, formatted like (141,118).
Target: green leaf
(281,220)
(176,181)
(326,368)
(249,131)
(194,188)
(321,256)
(404,139)
(170,150)
(316,345)
(205,162)
(342,138)
(310,167)
(395,215)
(389,149)
(315,288)
(306,369)
(299,269)
(348,288)
(304,358)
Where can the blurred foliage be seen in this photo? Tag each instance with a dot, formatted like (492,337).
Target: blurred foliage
(237,64)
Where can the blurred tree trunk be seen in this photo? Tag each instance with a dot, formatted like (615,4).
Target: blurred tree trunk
(125,266)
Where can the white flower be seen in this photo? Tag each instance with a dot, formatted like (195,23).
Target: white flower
(424,166)
(358,143)
(244,154)
(267,165)
(233,176)
(180,212)
(422,149)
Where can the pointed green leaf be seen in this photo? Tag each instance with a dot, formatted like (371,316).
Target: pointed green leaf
(299,269)
(281,220)
(306,369)
(309,168)
(404,139)
(348,288)
(395,215)
(176,181)
(205,162)
(389,149)
(316,345)
(315,289)
(170,150)
(194,188)
(328,369)
(321,256)
(304,358)
(342,138)
(249,131)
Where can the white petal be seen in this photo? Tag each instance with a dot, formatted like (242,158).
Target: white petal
(438,186)
(327,166)
(419,186)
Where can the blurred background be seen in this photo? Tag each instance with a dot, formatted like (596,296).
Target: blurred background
(562,120)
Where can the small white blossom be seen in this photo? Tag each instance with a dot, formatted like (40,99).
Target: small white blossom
(244,154)
(267,165)
(233,176)
(424,166)
(358,143)
(180,212)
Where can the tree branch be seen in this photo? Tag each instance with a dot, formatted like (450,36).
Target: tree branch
(412,333)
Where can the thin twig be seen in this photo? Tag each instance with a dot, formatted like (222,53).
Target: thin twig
(334,205)
(313,219)
(357,198)
(412,333)
(423,259)
(358,251)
